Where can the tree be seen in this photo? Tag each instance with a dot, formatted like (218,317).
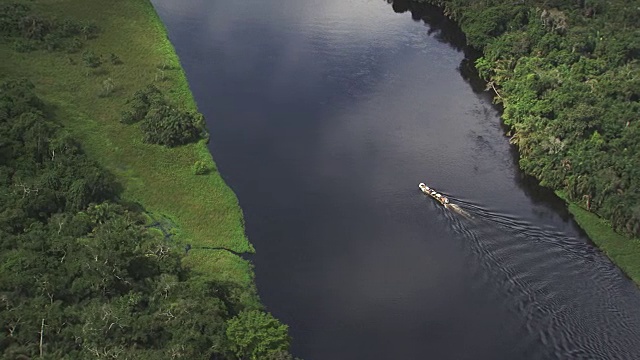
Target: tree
(167,125)
(256,334)
(140,103)
(81,275)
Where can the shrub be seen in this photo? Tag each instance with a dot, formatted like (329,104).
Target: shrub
(74,45)
(200,168)
(10,19)
(34,27)
(163,123)
(257,335)
(91,60)
(89,30)
(52,41)
(24,46)
(38,32)
(69,28)
(167,125)
(17,97)
(140,103)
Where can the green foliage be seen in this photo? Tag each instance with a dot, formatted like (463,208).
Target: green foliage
(32,31)
(481,26)
(167,125)
(88,30)
(11,19)
(18,97)
(91,60)
(140,103)
(200,168)
(256,335)
(74,45)
(134,32)
(85,268)
(620,249)
(23,46)
(568,76)
(207,279)
(162,123)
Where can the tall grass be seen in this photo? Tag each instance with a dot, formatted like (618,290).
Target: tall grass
(622,250)
(203,208)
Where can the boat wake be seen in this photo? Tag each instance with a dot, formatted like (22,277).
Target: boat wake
(459,210)
(549,278)
(444,200)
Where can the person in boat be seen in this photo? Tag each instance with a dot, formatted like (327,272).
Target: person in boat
(446,200)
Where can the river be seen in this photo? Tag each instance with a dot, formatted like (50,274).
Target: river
(324,117)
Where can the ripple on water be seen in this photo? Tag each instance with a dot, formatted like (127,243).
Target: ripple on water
(548,279)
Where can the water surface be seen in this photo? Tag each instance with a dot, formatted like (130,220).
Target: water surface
(324,117)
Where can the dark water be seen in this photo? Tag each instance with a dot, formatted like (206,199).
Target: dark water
(324,116)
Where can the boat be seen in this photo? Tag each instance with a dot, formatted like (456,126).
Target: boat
(434,194)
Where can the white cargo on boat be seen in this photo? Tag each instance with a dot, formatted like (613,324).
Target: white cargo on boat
(427,190)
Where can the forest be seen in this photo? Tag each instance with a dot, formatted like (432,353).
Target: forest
(567,76)
(82,275)
(84,271)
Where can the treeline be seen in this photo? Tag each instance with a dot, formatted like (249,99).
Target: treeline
(161,122)
(568,78)
(30,31)
(80,274)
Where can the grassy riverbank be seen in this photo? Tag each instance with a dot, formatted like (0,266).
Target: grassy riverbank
(99,195)
(622,250)
(567,77)
(200,209)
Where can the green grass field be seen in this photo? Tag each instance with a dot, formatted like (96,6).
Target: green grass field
(203,208)
(622,250)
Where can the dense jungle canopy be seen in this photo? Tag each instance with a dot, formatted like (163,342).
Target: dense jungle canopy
(568,78)
(82,276)
(83,273)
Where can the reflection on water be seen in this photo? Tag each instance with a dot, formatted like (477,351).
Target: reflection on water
(324,117)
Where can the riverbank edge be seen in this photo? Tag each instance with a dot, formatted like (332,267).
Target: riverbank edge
(197,210)
(624,251)
(182,95)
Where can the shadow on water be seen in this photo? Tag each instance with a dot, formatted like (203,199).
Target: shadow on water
(447,31)
(441,28)
(324,116)
(535,280)
(536,286)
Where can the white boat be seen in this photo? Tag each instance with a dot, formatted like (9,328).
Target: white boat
(434,194)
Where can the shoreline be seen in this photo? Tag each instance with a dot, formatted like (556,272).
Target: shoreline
(622,250)
(182,95)
(198,210)
(112,197)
